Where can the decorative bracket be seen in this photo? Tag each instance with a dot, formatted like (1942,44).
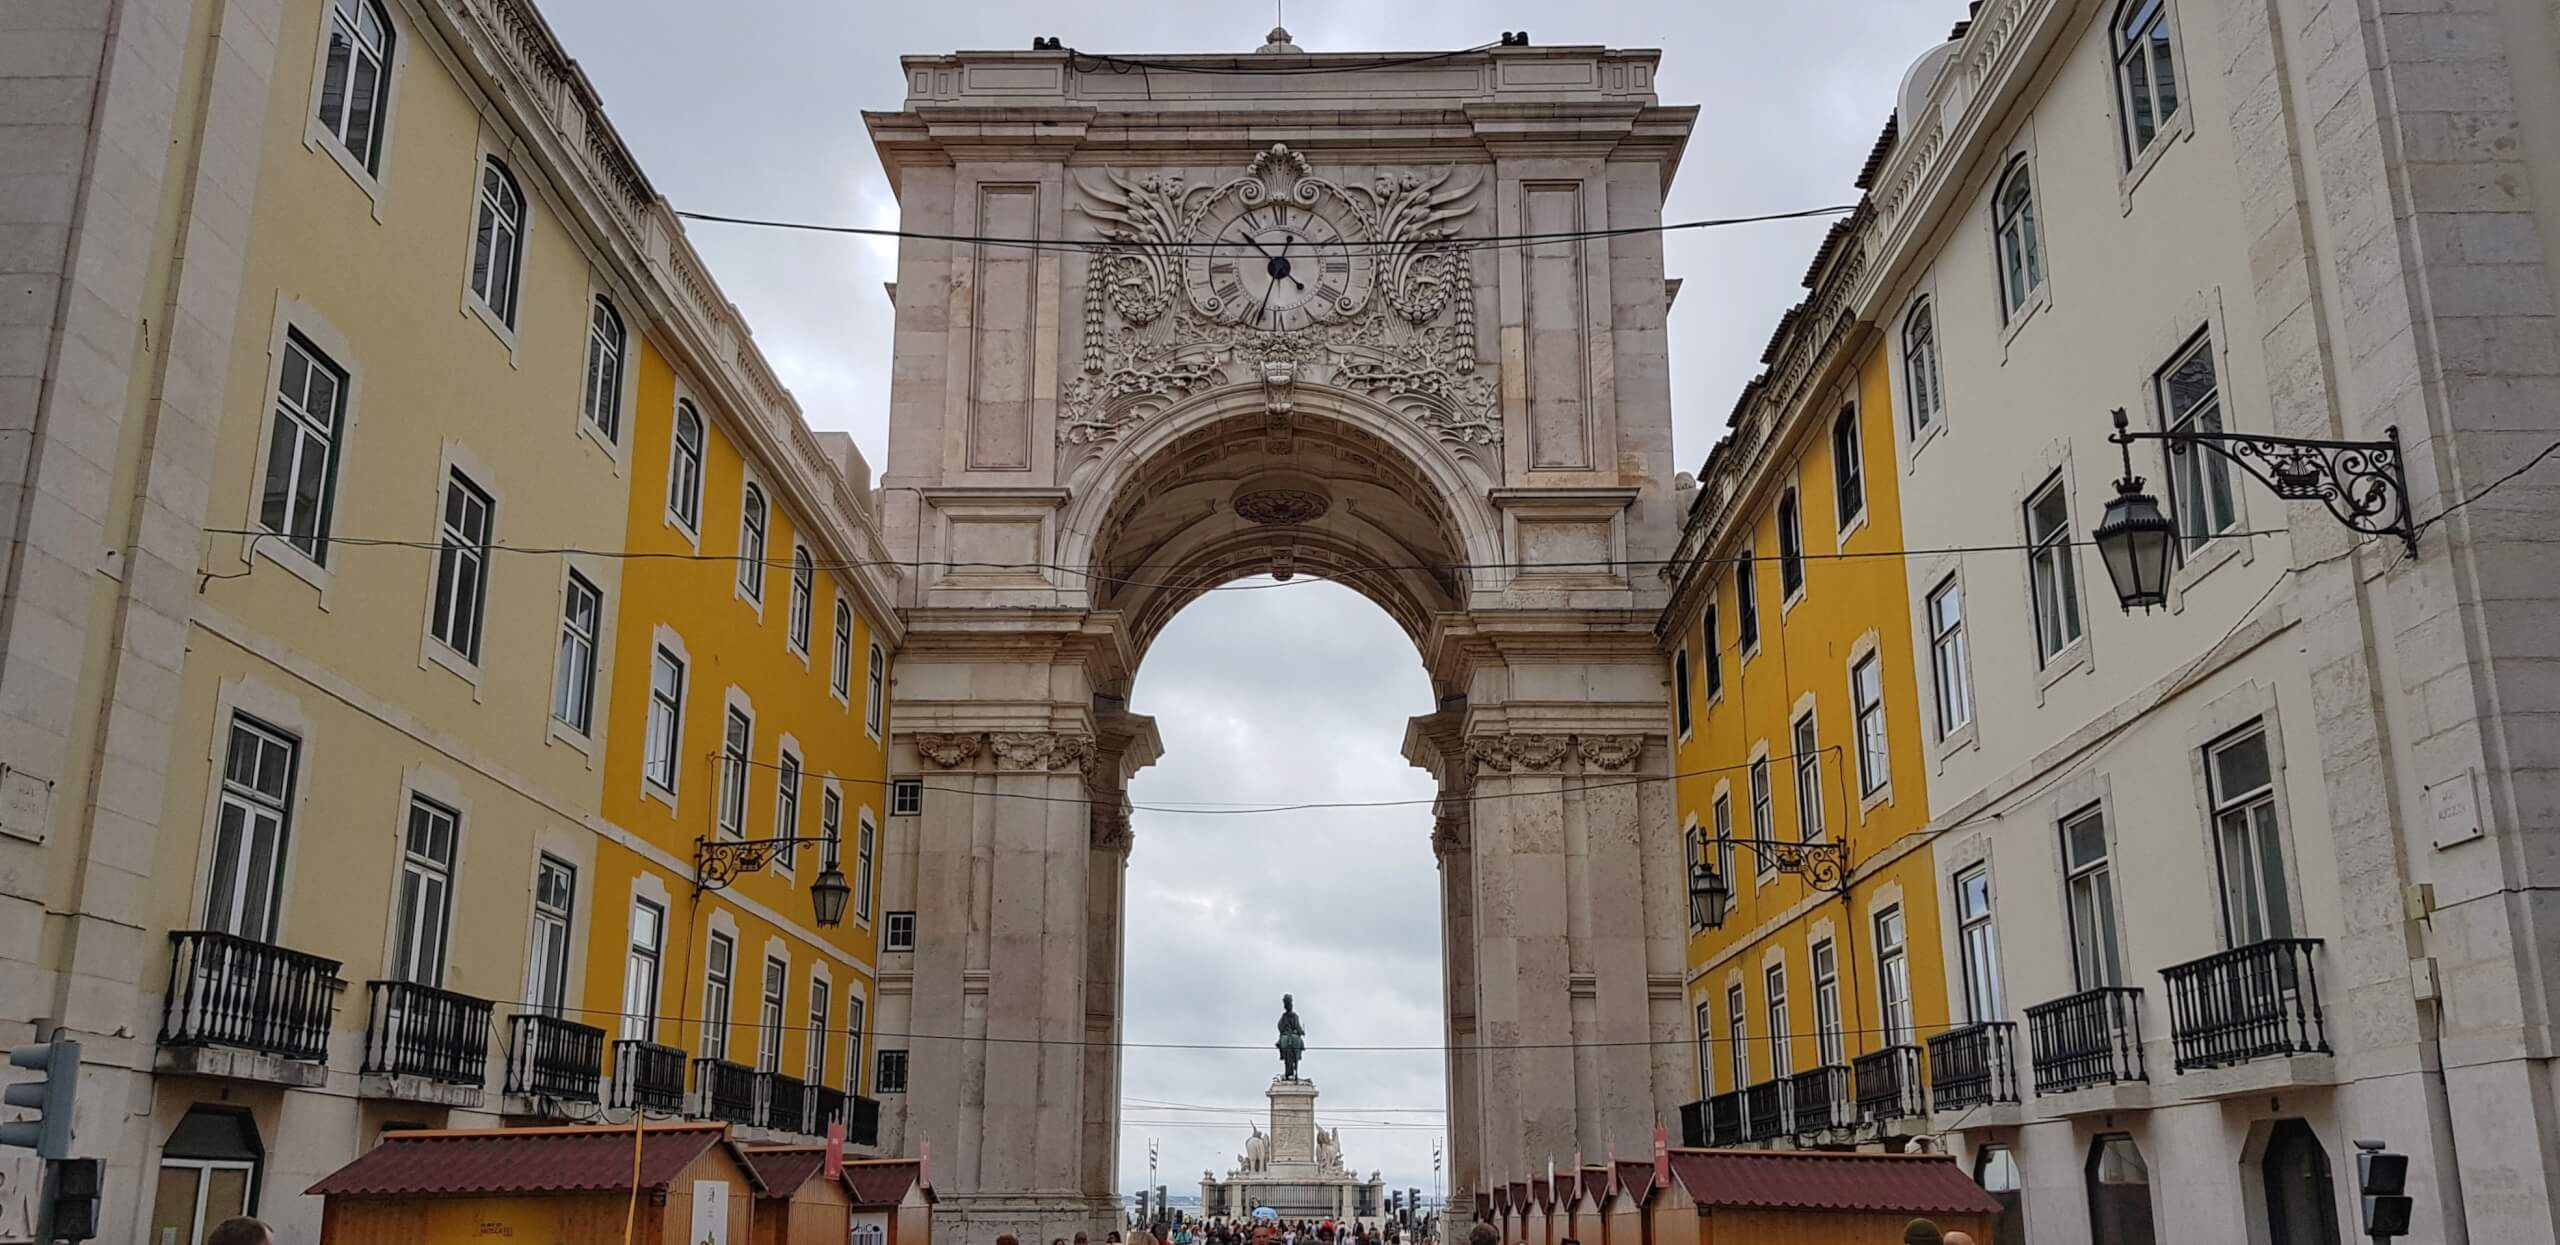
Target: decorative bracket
(719,862)
(2364,484)
(1825,865)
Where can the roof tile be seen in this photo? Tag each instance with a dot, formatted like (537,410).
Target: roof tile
(882,1182)
(465,1162)
(1829,1180)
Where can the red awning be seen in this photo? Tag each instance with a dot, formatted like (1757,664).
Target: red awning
(781,1170)
(883,1182)
(1916,1184)
(1635,1176)
(462,1162)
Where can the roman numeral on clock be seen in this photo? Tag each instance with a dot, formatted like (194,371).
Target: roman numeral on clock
(1337,265)
(1229,291)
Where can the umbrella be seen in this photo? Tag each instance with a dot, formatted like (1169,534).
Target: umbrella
(1265,1212)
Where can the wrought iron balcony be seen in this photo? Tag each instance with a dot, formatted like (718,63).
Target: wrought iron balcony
(1764,1110)
(1693,1124)
(2252,1002)
(1889,1084)
(548,1057)
(2087,1039)
(225,990)
(862,1121)
(1821,1099)
(826,1106)
(1724,1119)
(786,1103)
(1974,1065)
(421,1031)
(725,1091)
(647,1076)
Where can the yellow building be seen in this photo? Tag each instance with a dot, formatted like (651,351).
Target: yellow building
(1816,987)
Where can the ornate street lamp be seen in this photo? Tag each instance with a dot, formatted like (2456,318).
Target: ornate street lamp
(2364,484)
(718,862)
(1708,894)
(1825,865)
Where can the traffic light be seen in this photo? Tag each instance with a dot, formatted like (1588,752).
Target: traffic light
(2380,1177)
(77,1184)
(49,1134)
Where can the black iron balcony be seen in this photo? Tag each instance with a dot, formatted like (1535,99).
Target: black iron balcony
(1889,1084)
(786,1103)
(2251,1002)
(1974,1066)
(1821,1099)
(548,1057)
(2087,1039)
(647,1076)
(826,1106)
(727,1091)
(421,1031)
(1724,1119)
(1764,1110)
(225,990)
(862,1121)
(1693,1124)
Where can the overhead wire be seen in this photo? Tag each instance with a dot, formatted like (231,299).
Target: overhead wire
(1486,242)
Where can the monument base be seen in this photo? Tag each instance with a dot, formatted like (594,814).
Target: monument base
(1295,1169)
(1030,1218)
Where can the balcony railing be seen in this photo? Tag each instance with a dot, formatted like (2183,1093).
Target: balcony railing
(2247,1003)
(727,1091)
(826,1105)
(647,1076)
(225,990)
(2090,1038)
(1724,1119)
(1693,1124)
(1974,1065)
(415,1030)
(1821,1099)
(786,1103)
(1889,1084)
(1764,1110)
(862,1121)
(548,1057)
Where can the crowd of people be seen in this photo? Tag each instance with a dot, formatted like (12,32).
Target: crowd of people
(1258,1231)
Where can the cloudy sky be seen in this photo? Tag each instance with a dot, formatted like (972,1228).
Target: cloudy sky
(751,107)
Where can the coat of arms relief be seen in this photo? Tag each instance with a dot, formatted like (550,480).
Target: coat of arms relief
(1275,277)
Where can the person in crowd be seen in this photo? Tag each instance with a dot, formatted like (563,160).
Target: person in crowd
(241,1231)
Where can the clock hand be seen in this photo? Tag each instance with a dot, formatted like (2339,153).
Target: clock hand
(1266,301)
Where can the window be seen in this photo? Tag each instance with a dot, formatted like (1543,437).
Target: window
(2248,845)
(2302,1201)
(865,838)
(2016,239)
(1848,468)
(1737,1036)
(684,469)
(875,691)
(2200,492)
(640,970)
(830,827)
(573,683)
(1866,695)
(355,82)
(1709,638)
(251,819)
(2119,1192)
(1782,1060)
(1808,781)
(1924,389)
(425,908)
(752,517)
(769,1015)
(1680,691)
(1706,1051)
(301,489)
(900,934)
(462,566)
(2089,893)
(194,1197)
(1746,603)
(1893,976)
(497,242)
(1830,1044)
(804,591)
(1763,815)
(719,966)
(1724,836)
(786,806)
(1996,1170)
(602,402)
(1790,545)
(666,718)
(555,892)
(840,675)
(813,1068)
(893,1073)
(853,1021)
(736,737)
(1974,942)
(2049,570)
(1693,842)
(906,797)
(1947,659)
(2146,72)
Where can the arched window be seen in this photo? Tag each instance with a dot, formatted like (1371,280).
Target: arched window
(355,83)
(876,691)
(2302,1203)
(1923,390)
(1996,1170)
(2119,1192)
(602,402)
(2146,72)
(684,469)
(497,242)
(804,591)
(2021,246)
(843,669)
(751,525)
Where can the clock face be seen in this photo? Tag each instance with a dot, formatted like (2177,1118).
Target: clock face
(1278,267)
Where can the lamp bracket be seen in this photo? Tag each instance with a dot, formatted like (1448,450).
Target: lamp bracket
(2364,484)
(1825,865)
(719,862)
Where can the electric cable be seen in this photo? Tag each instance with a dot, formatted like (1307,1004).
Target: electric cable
(1128,246)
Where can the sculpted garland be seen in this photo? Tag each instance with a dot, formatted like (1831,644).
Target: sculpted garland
(1281,270)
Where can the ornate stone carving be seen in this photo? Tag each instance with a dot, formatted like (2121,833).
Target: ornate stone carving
(948,751)
(1280,503)
(1040,750)
(1503,754)
(1110,829)
(1611,752)
(1490,753)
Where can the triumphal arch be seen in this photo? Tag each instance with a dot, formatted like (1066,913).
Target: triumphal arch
(1358,316)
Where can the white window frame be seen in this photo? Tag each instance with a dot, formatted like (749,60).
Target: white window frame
(2256,815)
(1720,811)
(2141,34)
(2204,498)
(1977,944)
(1829,1035)
(737,756)
(1893,975)
(573,676)
(1764,814)
(1710,640)
(804,602)
(236,902)
(2053,577)
(1705,1014)
(1681,710)
(773,1001)
(685,468)
(662,764)
(461,560)
(1773,990)
(495,281)
(550,944)
(788,775)
(1805,740)
(608,350)
(892,927)
(1869,723)
(1848,468)
(830,827)
(384,53)
(1794,578)
(906,797)
(1950,667)
(1746,598)
(856,1016)
(885,1083)
(840,674)
(719,974)
(822,1021)
(866,843)
(312,432)
(422,911)
(2017,239)
(755,533)
(875,691)
(1737,1035)
(1923,377)
(2089,902)
(643,958)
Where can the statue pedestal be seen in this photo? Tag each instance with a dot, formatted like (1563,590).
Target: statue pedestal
(1293,1120)
(1292,1169)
